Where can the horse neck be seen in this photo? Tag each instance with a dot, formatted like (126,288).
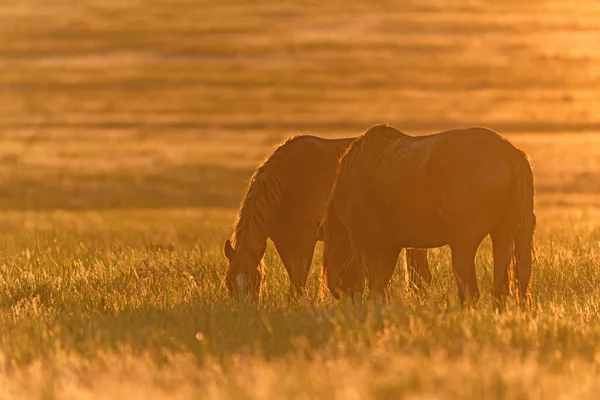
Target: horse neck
(256,213)
(250,248)
(248,237)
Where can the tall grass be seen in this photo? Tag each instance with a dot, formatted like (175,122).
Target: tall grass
(108,303)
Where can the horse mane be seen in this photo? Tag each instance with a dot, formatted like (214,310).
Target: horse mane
(376,138)
(381,134)
(262,198)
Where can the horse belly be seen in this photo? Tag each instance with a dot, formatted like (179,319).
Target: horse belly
(421,231)
(416,221)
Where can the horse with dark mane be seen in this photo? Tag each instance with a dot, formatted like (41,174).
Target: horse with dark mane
(451,188)
(285,202)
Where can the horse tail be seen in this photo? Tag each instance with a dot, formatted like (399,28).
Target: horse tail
(524,225)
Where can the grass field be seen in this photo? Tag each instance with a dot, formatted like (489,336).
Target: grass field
(128,131)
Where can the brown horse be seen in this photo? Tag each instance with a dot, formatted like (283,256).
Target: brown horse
(452,188)
(285,201)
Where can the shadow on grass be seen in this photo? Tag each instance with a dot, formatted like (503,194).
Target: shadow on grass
(216,332)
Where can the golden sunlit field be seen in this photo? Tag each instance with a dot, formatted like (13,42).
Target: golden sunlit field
(129,130)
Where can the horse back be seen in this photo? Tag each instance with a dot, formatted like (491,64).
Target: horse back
(417,189)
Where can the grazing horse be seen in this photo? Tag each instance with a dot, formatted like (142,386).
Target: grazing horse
(285,201)
(451,188)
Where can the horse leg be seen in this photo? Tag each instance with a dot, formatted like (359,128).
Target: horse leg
(379,264)
(463,264)
(351,281)
(523,240)
(297,258)
(501,242)
(419,274)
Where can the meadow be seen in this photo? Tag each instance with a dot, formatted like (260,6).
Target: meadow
(129,129)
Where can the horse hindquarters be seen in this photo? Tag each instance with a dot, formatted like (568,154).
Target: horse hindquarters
(514,235)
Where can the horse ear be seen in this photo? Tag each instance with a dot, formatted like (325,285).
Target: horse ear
(228,250)
(320,231)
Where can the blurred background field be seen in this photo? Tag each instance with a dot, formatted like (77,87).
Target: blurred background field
(166,104)
(129,129)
